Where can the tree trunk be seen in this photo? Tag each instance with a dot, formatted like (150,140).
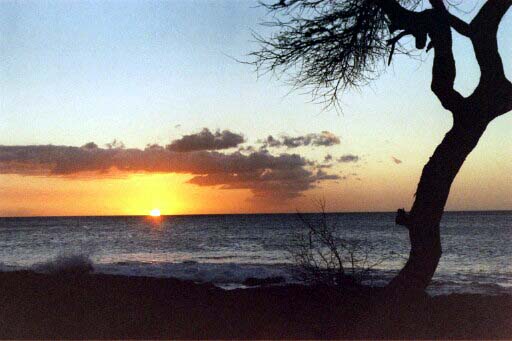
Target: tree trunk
(431,195)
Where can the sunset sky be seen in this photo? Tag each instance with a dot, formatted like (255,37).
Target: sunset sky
(191,124)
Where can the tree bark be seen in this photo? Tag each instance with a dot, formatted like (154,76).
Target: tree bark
(431,196)
(491,98)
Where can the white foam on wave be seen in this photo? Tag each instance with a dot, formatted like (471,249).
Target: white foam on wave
(76,263)
(233,275)
(6,267)
(217,273)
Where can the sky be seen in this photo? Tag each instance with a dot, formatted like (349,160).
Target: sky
(198,132)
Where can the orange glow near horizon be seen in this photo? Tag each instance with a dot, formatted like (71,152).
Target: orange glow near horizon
(131,194)
(377,187)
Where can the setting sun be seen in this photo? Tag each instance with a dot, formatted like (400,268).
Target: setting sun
(155,212)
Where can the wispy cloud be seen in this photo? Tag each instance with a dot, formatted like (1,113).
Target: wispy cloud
(348,158)
(324,139)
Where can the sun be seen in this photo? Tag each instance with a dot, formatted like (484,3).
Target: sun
(155,212)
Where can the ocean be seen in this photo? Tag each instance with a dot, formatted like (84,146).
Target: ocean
(228,249)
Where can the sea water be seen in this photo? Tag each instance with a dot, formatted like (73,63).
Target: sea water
(227,249)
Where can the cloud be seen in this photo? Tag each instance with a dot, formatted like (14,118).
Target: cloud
(280,177)
(324,139)
(321,175)
(112,145)
(246,149)
(395,160)
(270,141)
(206,140)
(328,158)
(348,158)
(269,183)
(90,145)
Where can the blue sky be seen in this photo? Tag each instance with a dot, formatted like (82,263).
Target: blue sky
(150,71)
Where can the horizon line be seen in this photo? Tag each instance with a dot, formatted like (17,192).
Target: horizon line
(219,214)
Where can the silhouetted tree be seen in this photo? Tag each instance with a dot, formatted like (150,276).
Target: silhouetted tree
(331,45)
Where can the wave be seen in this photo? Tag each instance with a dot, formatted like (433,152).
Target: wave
(236,275)
(222,274)
(67,263)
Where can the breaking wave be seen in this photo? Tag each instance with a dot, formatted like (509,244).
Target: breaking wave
(67,263)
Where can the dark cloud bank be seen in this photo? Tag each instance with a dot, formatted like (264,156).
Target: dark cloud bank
(270,176)
(206,140)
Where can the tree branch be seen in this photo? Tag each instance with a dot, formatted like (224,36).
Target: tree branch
(443,70)
(459,25)
(490,15)
(402,218)
(435,23)
(455,22)
(494,91)
(414,23)
(485,28)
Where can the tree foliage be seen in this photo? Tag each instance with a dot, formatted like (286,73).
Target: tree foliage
(328,45)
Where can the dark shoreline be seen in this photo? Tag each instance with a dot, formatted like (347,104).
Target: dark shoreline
(117,307)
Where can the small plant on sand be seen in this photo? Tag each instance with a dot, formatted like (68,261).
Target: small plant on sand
(323,256)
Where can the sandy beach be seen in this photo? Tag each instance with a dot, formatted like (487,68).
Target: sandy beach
(116,307)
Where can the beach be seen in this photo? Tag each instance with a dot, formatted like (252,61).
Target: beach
(99,306)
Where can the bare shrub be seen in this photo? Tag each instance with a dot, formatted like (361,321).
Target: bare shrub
(323,256)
